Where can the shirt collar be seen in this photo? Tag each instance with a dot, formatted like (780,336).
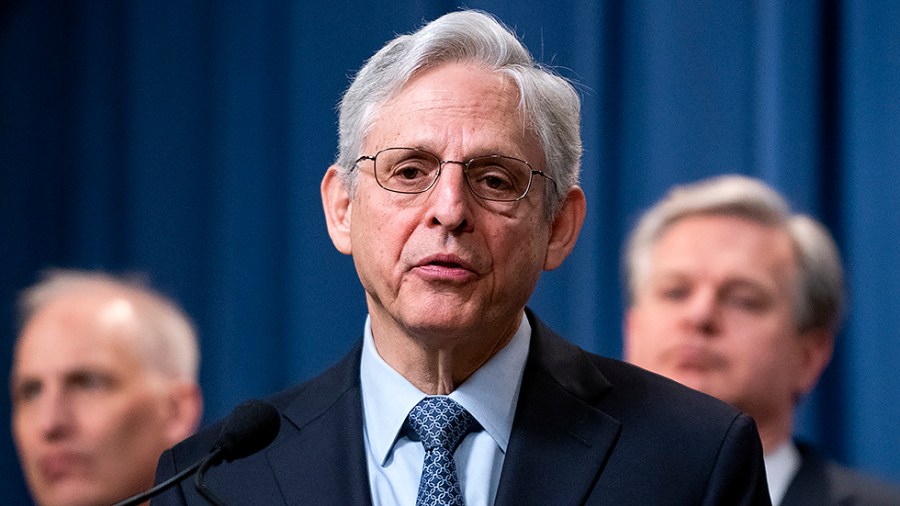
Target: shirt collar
(490,394)
(782,464)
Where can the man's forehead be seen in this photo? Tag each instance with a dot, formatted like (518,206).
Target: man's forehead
(436,116)
(729,248)
(116,311)
(732,232)
(51,353)
(95,309)
(67,335)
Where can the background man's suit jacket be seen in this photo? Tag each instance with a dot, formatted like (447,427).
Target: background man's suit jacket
(587,430)
(820,482)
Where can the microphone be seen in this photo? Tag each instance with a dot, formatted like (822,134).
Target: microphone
(250,427)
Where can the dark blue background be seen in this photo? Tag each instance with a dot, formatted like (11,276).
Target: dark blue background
(187,139)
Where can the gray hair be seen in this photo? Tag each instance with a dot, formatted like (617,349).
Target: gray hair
(549,105)
(819,299)
(168,340)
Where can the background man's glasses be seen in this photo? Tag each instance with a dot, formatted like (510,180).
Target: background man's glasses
(492,177)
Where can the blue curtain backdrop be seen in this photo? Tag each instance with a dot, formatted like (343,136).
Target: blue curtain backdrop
(187,139)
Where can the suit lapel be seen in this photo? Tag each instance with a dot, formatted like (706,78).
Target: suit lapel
(559,440)
(322,457)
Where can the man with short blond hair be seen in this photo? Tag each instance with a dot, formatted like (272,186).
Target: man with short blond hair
(733,294)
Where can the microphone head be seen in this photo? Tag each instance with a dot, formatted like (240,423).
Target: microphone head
(250,427)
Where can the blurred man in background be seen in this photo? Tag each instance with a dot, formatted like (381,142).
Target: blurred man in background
(104,378)
(731,294)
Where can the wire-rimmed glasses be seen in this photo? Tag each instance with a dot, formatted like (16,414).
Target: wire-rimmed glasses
(491,177)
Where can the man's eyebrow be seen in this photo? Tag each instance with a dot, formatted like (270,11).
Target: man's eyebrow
(86,370)
(746,282)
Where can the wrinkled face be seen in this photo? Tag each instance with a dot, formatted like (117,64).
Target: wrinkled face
(715,313)
(88,419)
(445,262)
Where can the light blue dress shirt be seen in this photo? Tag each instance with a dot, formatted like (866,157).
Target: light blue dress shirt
(782,465)
(490,395)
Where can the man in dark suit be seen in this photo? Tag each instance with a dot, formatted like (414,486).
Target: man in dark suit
(456,185)
(732,294)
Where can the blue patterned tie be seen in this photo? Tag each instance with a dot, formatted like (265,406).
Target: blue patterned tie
(441,424)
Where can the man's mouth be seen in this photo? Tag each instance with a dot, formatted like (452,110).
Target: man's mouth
(57,465)
(445,268)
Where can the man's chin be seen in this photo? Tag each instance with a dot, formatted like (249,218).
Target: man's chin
(698,379)
(439,329)
(432,314)
(78,492)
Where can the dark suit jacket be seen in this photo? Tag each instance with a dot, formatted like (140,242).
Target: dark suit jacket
(587,430)
(820,482)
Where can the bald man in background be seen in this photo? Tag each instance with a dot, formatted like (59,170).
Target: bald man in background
(104,378)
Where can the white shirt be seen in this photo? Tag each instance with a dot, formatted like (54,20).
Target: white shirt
(781,467)
(490,395)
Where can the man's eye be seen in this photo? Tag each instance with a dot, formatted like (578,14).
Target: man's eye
(496,181)
(91,381)
(746,302)
(408,175)
(26,391)
(409,172)
(674,293)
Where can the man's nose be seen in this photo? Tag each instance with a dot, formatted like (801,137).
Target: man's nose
(54,414)
(450,200)
(701,312)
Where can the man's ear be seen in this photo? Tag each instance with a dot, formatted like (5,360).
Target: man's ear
(337,205)
(565,228)
(185,411)
(817,346)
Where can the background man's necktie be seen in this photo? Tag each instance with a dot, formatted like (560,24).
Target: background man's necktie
(441,424)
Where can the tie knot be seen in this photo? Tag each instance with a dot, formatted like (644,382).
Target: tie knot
(440,422)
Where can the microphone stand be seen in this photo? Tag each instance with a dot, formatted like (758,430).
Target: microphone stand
(205,491)
(252,426)
(147,494)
